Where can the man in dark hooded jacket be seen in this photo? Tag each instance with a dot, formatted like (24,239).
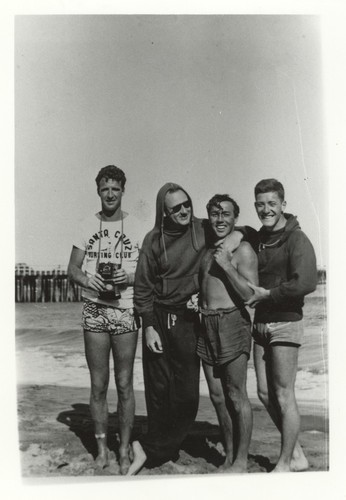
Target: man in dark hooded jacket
(166,278)
(287,272)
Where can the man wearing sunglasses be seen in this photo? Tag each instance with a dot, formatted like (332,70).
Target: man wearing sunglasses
(166,278)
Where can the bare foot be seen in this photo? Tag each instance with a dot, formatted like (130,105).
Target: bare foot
(131,457)
(102,460)
(124,461)
(299,464)
(281,468)
(139,459)
(225,466)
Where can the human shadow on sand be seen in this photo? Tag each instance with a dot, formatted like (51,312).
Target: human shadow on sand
(204,439)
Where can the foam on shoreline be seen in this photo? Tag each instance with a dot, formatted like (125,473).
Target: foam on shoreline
(37,367)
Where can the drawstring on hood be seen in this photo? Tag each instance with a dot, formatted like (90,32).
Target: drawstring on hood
(278,238)
(160,219)
(287,268)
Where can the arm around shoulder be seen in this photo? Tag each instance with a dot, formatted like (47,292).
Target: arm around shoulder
(241,269)
(250,235)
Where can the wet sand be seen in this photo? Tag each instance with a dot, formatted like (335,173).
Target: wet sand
(55,427)
(56,436)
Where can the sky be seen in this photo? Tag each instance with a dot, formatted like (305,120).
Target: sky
(214,103)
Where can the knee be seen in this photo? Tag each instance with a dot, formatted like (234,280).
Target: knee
(285,398)
(99,390)
(99,381)
(237,396)
(263,395)
(217,398)
(124,386)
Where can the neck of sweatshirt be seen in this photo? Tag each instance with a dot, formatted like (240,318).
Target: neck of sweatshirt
(172,229)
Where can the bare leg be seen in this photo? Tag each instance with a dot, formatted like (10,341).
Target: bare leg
(97,349)
(218,399)
(283,365)
(139,459)
(299,461)
(234,382)
(124,349)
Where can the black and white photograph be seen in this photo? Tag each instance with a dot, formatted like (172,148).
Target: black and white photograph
(171,246)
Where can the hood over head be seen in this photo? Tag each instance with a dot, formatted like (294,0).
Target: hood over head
(160,202)
(160,214)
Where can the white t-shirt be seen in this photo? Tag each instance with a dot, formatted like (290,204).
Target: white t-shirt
(115,241)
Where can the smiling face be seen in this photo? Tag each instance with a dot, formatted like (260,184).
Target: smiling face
(110,192)
(222,219)
(178,207)
(269,208)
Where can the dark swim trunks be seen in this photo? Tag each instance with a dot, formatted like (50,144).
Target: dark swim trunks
(225,335)
(283,332)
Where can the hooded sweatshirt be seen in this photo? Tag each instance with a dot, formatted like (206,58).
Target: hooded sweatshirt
(287,267)
(169,260)
(167,270)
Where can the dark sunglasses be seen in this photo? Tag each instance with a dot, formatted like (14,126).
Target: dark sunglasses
(177,208)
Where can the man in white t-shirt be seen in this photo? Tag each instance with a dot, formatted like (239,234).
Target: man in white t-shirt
(103,261)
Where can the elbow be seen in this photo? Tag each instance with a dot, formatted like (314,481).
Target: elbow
(309,286)
(310,289)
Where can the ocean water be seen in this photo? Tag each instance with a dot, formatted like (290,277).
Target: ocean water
(49,347)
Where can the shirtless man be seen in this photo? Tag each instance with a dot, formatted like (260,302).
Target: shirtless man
(225,341)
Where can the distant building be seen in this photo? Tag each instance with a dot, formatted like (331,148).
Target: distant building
(24,269)
(61,268)
(44,284)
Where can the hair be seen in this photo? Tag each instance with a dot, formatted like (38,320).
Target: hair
(268,186)
(175,189)
(111,172)
(219,198)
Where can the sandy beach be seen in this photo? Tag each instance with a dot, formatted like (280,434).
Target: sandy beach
(55,426)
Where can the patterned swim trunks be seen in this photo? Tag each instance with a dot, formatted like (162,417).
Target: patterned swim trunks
(100,318)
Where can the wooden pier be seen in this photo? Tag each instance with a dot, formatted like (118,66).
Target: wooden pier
(46,287)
